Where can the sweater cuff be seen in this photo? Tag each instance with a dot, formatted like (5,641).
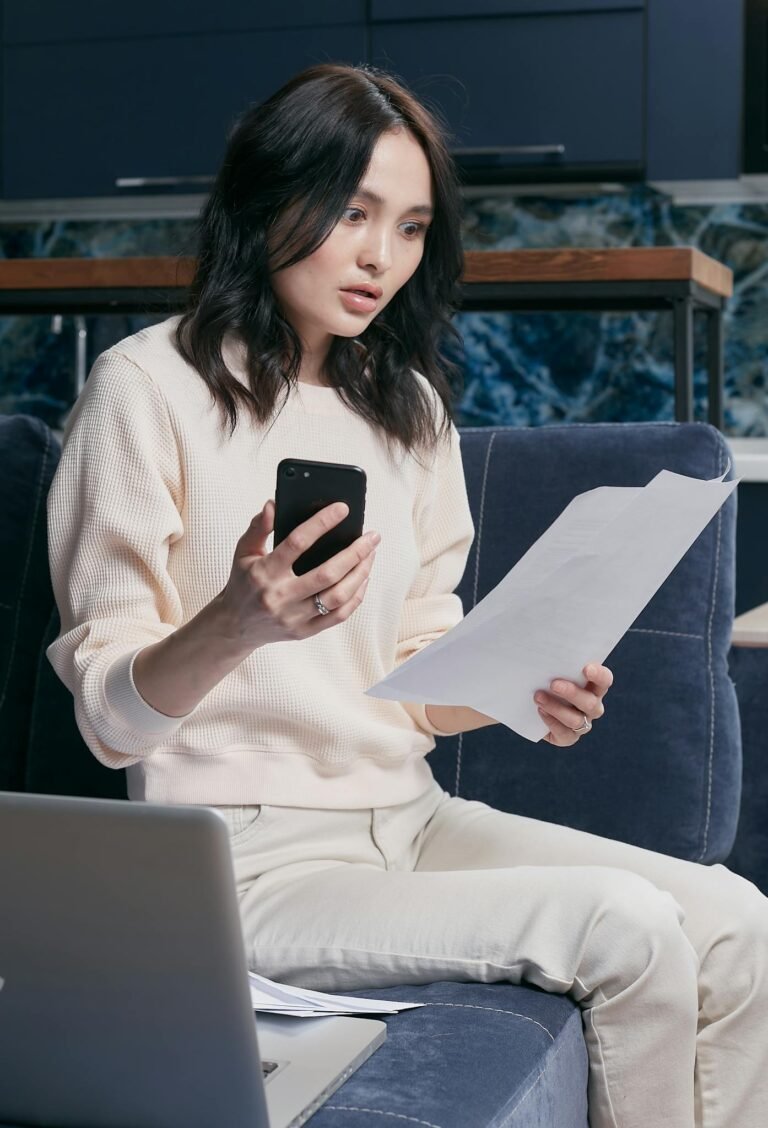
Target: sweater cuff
(418,713)
(128,706)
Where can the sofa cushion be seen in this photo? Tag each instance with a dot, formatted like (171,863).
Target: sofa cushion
(59,762)
(482,1054)
(662,768)
(749,857)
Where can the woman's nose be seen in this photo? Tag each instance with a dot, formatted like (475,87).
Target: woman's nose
(376,252)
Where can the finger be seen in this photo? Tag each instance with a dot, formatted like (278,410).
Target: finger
(325,576)
(345,590)
(340,615)
(599,678)
(564,712)
(304,535)
(584,700)
(253,542)
(558,734)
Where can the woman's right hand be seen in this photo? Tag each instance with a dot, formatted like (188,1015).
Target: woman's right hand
(265,601)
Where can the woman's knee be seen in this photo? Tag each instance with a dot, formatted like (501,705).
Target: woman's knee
(735,961)
(636,934)
(738,896)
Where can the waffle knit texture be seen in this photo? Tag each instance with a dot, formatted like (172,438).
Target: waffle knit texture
(148,502)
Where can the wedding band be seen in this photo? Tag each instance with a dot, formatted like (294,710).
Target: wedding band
(585,725)
(321,606)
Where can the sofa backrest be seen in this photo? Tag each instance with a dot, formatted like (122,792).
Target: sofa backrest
(41,749)
(28,456)
(662,768)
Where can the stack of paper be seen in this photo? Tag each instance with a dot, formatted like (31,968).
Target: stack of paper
(279,998)
(567,602)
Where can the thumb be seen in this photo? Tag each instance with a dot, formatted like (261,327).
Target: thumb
(254,540)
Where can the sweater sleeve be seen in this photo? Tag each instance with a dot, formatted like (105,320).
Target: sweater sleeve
(114,509)
(445,532)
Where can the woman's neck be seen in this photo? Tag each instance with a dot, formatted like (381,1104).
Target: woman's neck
(313,360)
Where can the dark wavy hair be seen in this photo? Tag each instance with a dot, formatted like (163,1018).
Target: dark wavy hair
(306,149)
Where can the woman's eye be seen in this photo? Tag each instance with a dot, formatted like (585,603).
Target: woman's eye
(354,214)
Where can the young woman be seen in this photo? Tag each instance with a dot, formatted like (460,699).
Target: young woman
(204,666)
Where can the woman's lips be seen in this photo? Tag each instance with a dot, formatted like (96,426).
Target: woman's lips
(357,302)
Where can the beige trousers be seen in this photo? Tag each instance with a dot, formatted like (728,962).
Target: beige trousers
(667,959)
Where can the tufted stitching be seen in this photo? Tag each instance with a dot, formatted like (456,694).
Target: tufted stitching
(711,673)
(489,448)
(482,515)
(381,1112)
(671,634)
(496,1010)
(458,762)
(25,574)
(537,1078)
(466,1006)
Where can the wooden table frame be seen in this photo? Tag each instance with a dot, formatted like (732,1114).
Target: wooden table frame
(680,280)
(751,627)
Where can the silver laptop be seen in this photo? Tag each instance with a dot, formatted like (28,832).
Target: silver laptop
(124,999)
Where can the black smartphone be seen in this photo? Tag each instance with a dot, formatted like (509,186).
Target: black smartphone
(304,487)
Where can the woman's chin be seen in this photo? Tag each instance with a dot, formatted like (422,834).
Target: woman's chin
(352,330)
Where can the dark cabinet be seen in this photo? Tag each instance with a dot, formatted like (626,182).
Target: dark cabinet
(563,92)
(79,117)
(55,21)
(98,93)
(695,78)
(382,10)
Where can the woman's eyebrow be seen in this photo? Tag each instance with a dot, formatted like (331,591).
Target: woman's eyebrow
(374,198)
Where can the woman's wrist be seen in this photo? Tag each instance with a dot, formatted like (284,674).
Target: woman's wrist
(176,673)
(456,718)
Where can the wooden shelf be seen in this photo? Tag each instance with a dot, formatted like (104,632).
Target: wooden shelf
(751,628)
(94,273)
(618,264)
(615,264)
(679,280)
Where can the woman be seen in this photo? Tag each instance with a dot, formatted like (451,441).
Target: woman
(201,663)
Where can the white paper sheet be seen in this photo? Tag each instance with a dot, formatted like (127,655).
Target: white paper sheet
(280,998)
(566,602)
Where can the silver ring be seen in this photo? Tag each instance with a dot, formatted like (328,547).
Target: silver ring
(321,606)
(585,725)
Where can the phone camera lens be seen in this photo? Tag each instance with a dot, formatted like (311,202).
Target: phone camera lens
(290,472)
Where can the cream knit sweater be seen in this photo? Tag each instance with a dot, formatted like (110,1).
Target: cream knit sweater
(145,510)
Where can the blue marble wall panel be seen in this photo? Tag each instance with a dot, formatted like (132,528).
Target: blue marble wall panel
(525,369)
(533,369)
(37,364)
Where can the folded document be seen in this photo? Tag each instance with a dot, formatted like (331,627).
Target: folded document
(279,998)
(566,602)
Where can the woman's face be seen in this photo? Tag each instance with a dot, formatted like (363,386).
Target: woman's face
(378,241)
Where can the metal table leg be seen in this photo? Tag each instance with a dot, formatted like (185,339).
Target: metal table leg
(682,311)
(715,366)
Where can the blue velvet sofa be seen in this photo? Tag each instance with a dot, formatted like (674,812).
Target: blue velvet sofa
(662,769)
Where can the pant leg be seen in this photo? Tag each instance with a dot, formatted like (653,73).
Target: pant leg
(341,900)
(725,920)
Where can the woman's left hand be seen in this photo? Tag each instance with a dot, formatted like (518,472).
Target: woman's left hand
(568,709)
